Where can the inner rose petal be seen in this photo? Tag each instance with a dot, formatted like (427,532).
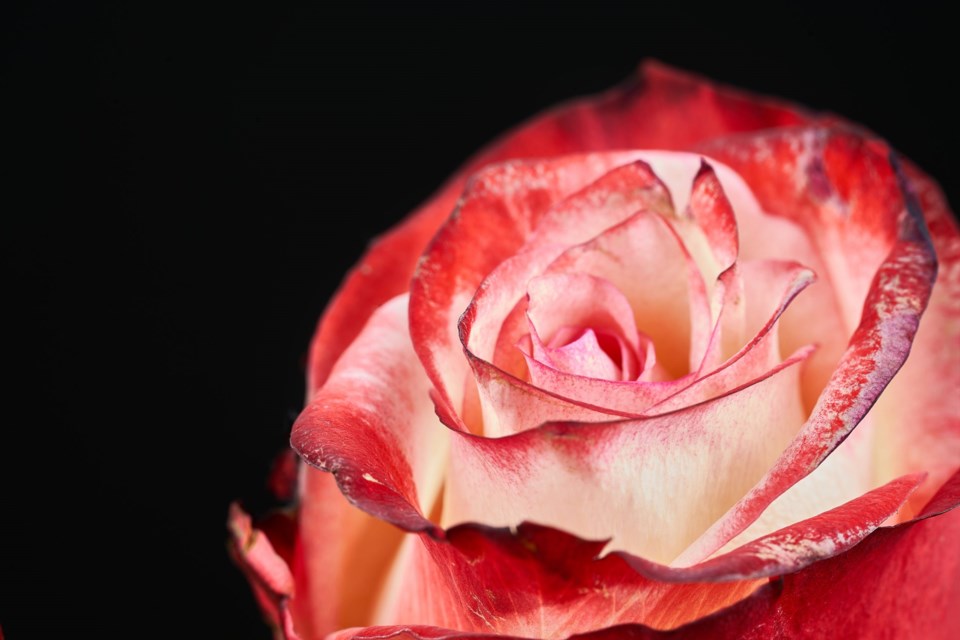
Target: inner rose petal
(661,262)
(646,262)
(578,350)
(583,325)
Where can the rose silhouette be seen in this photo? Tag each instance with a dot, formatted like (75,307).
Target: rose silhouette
(671,360)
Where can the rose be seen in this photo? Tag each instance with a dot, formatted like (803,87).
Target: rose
(833,192)
(643,355)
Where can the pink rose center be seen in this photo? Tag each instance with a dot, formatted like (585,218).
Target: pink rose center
(583,325)
(594,353)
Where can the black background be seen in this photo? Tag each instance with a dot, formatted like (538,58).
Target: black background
(190,184)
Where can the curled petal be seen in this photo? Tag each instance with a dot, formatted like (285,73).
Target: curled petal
(372,425)
(770,287)
(713,213)
(918,416)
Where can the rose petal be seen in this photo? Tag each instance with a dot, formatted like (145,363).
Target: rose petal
(891,314)
(769,289)
(409,632)
(342,556)
(713,213)
(268,573)
(900,582)
(873,590)
(653,484)
(796,546)
(536,582)
(918,416)
(716,223)
(580,300)
(372,425)
(844,476)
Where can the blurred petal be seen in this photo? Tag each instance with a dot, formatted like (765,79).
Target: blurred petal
(268,573)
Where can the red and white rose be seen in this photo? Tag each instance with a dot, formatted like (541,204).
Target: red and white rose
(674,357)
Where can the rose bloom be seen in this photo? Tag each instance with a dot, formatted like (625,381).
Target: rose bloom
(671,361)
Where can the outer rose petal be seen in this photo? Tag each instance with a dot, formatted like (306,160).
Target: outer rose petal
(372,425)
(875,206)
(918,416)
(539,582)
(796,546)
(900,582)
(534,581)
(341,557)
(269,574)
(873,590)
